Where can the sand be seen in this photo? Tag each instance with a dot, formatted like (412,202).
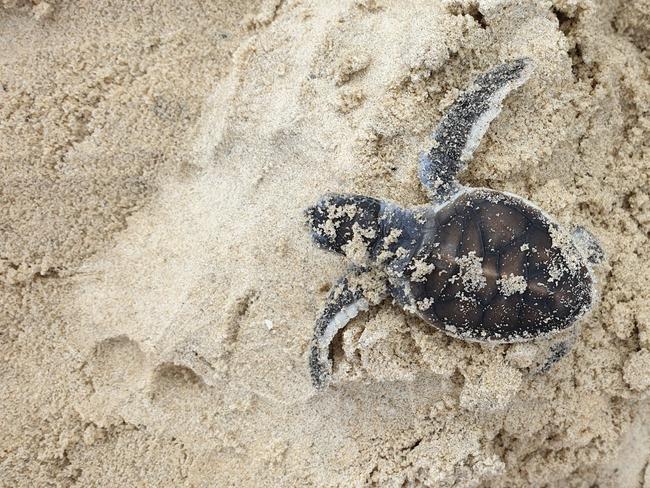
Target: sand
(159,287)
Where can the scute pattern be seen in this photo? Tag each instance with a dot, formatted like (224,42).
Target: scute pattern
(511,240)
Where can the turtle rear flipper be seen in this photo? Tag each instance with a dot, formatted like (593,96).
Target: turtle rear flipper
(588,244)
(558,349)
(466,121)
(354,292)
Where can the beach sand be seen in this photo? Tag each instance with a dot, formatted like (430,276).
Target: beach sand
(159,286)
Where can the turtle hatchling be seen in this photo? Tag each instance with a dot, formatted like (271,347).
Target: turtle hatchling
(478,264)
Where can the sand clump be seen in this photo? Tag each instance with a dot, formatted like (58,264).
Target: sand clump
(635,371)
(155,179)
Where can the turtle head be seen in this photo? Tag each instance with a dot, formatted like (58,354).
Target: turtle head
(346,224)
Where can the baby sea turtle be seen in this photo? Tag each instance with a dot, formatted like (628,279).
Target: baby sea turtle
(478,264)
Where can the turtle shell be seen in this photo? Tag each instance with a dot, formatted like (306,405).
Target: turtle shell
(497,269)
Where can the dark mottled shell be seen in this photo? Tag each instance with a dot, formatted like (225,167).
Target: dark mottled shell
(506,236)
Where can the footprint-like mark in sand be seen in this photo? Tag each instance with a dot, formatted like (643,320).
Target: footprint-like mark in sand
(118,370)
(117,362)
(174,383)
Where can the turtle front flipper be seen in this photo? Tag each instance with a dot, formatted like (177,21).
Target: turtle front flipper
(354,292)
(459,132)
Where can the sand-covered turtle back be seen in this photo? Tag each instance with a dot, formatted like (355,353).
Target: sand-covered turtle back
(495,272)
